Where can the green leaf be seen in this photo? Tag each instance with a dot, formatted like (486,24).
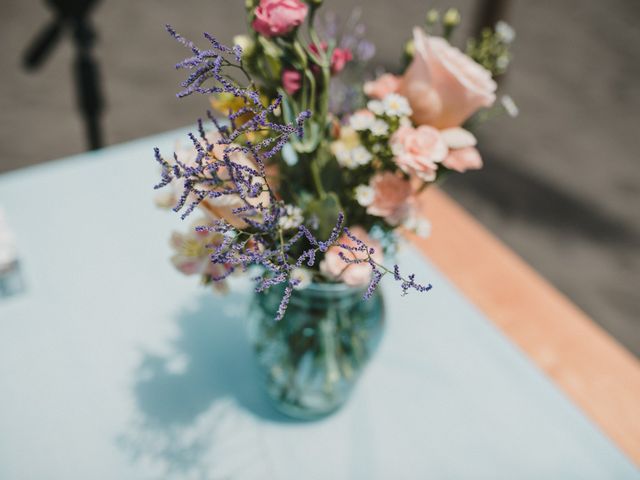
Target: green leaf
(326,210)
(312,132)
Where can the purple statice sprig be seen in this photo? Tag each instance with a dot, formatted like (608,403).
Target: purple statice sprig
(359,252)
(279,263)
(256,235)
(272,250)
(211,178)
(212,64)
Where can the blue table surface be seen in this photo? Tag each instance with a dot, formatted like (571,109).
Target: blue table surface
(114,366)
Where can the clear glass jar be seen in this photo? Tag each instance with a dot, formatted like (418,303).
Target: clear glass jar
(312,358)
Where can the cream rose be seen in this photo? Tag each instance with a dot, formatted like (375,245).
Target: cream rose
(192,251)
(221,207)
(443,85)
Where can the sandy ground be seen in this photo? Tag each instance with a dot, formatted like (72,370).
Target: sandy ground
(561,184)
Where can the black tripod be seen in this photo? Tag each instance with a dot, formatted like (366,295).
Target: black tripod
(73,15)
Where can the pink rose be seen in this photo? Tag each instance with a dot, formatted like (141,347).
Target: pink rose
(463,159)
(355,275)
(382,86)
(339,57)
(291,80)
(443,85)
(275,18)
(391,195)
(418,150)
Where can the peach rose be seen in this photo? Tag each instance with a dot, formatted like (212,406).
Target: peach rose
(462,154)
(355,275)
(418,150)
(391,194)
(463,159)
(382,86)
(444,86)
(274,18)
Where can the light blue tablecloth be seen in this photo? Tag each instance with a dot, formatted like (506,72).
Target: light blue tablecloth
(114,366)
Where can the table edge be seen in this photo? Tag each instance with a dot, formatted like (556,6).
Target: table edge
(598,374)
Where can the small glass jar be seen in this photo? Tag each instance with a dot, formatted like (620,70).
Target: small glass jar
(313,356)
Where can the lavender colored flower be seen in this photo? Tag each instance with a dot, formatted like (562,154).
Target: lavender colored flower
(231,166)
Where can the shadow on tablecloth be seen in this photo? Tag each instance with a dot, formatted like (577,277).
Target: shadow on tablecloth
(200,403)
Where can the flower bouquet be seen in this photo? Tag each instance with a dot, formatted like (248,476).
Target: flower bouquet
(306,173)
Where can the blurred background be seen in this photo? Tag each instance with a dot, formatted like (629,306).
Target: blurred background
(561,185)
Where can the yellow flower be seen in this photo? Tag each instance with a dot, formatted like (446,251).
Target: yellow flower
(225,102)
(349,137)
(348,151)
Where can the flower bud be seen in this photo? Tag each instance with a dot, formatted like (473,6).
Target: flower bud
(272,54)
(410,48)
(270,48)
(247,44)
(433,17)
(451,18)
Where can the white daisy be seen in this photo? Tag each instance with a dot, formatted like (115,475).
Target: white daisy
(292,218)
(396,106)
(379,128)
(361,156)
(364,195)
(376,107)
(343,155)
(361,121)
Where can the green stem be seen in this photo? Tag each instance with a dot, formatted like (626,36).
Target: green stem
(317,178)
(312,83)
(281,243)
(325,64)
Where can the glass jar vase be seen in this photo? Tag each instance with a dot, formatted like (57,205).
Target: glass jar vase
(313,356)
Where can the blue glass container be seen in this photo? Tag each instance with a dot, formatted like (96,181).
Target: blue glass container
(312,358)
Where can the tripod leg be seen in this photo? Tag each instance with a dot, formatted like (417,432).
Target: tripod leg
(87,77)
(42,45)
